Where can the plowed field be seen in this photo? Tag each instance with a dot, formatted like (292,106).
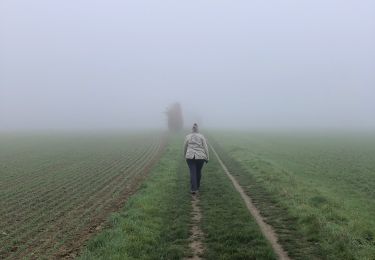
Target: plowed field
(55,190)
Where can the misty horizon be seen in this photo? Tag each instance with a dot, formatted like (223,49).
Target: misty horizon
(232,65)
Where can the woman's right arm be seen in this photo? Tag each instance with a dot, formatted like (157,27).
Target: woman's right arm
(205,146)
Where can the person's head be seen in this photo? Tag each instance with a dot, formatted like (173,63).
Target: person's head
(195,128)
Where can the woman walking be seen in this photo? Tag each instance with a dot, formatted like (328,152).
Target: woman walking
(196,153)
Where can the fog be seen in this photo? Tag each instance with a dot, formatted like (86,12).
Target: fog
(87,64)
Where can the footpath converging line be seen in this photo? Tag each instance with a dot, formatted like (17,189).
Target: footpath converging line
(266,229)
(196,237)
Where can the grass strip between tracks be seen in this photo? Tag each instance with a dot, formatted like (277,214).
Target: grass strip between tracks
(154,224)
(231,232)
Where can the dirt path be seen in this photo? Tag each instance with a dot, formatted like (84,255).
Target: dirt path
(196,236)
(266,229)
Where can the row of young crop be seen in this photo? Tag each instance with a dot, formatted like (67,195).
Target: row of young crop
(45,177)
(29,205)
(70,178)
(68,217)
(92,209)
(69,204)
(35,168)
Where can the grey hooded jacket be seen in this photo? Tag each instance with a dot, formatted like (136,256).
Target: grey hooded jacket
(195,146)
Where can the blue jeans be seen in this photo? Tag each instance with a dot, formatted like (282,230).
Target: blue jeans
(195,167)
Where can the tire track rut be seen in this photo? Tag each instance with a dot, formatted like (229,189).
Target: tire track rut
(265,228)
(197,235)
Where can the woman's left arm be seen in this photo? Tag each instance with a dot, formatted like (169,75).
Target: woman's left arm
(185,146)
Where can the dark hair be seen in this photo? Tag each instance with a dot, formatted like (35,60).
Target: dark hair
(195,127)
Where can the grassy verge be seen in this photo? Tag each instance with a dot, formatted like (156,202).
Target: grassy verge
(317,192)
(231,233)
(271,209)
(154,224)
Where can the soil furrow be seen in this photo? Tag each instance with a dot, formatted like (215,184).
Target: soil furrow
(89,194)
(88,222)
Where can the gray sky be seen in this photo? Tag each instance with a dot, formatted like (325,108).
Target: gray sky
(118,64)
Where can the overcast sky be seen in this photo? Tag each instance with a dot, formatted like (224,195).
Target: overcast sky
(118,64)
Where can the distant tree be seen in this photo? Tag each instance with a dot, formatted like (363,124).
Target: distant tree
(174,116)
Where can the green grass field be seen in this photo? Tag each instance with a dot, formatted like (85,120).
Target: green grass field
(317,190)
(155,223)
(87,196)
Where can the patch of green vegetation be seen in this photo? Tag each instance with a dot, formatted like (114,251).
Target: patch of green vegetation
(156,221)
(317,191)
(154,224)
(231,232)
